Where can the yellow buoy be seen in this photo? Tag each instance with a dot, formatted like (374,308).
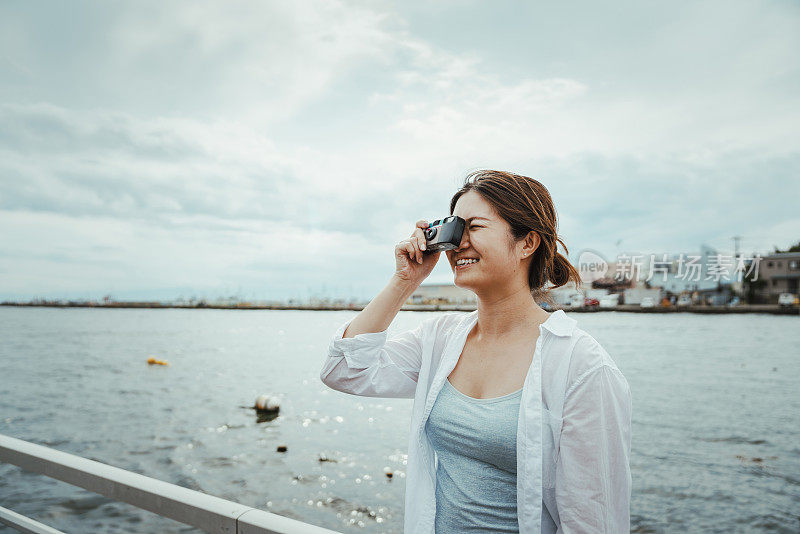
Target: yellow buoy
(153,361)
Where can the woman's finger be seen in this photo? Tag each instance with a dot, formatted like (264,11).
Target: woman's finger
(413,252)
(404,248)
(413,249)
(420,237)
(407,247)
(417,255)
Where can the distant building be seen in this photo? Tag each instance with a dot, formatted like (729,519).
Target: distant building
(635,295)
(566,294)
(616,280)
(442,294)
(780,273)
(714,296)
(688,272)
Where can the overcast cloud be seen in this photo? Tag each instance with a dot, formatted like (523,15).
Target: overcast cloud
(277,149)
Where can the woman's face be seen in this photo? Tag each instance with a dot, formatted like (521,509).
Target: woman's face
(487,239)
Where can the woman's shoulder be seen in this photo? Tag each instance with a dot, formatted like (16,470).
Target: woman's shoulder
(587,355)
(587,347)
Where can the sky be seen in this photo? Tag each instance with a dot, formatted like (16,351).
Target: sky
(275,150)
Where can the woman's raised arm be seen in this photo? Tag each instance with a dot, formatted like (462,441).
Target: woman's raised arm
(411,268)
(361,360)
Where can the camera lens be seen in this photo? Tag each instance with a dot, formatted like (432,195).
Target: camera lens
(429,233)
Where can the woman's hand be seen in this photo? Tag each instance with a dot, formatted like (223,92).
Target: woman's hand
(412,266)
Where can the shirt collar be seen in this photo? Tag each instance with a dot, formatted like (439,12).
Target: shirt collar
(559,323)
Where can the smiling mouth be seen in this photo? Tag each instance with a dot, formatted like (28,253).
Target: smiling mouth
(463,265)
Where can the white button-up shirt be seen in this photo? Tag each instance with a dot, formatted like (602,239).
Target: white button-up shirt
(574,426)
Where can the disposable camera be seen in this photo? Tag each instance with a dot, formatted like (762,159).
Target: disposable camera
(444,234)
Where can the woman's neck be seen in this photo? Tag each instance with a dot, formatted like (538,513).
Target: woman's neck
(504,314)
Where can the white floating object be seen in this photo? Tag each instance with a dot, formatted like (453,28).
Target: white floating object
(267,403)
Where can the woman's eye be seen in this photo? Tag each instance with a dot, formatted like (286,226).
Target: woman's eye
(471,227)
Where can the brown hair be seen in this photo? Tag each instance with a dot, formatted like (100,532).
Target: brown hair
(525,204)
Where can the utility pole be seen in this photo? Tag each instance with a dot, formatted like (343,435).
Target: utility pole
(736,240)
(738,285)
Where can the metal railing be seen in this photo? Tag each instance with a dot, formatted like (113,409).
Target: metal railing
(190,507)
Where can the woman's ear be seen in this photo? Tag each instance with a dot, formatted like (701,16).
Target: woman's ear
(532,241)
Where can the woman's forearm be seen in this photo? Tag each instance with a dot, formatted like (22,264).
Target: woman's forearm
(381,311)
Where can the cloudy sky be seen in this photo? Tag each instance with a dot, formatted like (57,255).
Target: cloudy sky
(279,149)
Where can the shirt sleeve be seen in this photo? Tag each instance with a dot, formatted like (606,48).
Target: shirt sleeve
(371,365)
(593,478)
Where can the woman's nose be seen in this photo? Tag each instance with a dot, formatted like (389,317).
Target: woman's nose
(464,242)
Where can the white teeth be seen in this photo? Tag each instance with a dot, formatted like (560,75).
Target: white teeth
(464,262)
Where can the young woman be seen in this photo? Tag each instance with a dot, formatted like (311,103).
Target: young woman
(521,420)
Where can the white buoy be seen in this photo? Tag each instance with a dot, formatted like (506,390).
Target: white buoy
(267,403)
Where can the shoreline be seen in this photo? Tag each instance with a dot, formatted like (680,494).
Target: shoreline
(773,309)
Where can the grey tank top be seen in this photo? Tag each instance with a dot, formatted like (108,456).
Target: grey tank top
(475,441)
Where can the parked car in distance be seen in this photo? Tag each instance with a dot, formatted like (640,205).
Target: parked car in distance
(576,301)
(647,302)
(685,300)
(786,299)
(610,301)
(591,302)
